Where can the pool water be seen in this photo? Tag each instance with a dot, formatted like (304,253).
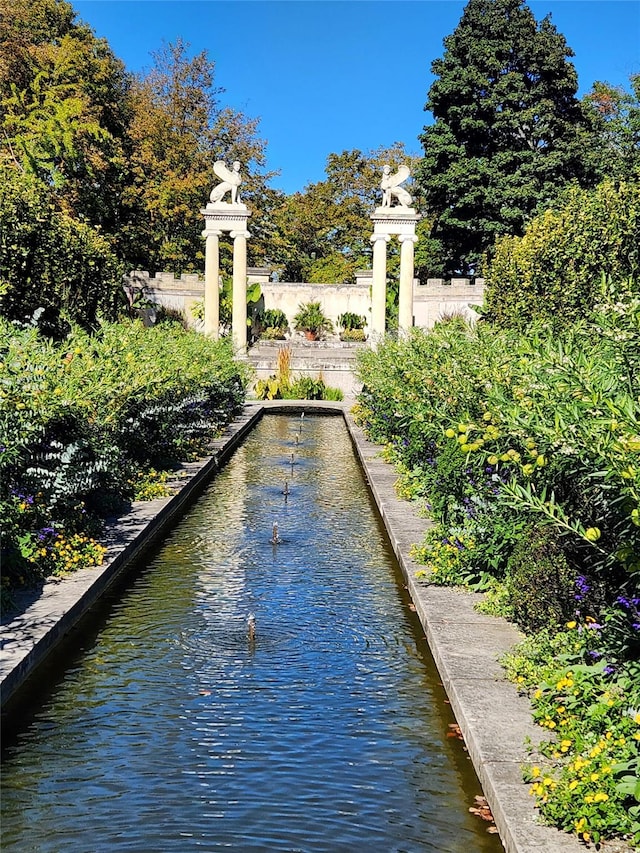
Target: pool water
(172,728)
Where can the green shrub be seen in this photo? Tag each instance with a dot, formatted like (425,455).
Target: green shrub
(349,321)
(272,324)
(52,262)
(76,419)
(553,273)
(311,318)
(540,583)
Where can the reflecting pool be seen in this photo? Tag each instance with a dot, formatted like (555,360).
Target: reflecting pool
(243,695)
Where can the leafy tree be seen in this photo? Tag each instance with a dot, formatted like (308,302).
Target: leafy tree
(63,100)
(322,234)
(53,268)
(178,130)
(615,115)
(508,131)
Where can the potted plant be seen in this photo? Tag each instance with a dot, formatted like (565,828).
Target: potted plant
(272,324)
(311,320)
(352,326)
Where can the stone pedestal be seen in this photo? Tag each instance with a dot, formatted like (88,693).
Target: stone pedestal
(388,222)
(219,218)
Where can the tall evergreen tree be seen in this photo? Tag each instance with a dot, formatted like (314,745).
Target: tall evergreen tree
(509,131)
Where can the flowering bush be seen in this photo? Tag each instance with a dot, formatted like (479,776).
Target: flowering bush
(588,780)
(506,437)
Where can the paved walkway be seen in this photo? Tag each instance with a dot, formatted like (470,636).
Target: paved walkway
(466,645)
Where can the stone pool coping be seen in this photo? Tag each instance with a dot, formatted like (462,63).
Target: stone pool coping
(494,719)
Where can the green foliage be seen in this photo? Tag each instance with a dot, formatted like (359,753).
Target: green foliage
(349,321)
(178,130)
(524,452)
(64,99)
(311,318)
(353,335)
(495,432)
(76,419)
(146,485)
(587,780)
(615,115)
(553,273)
(322,233)
(302,388)
(50,261)
(540,584)
(508,130)
(272,324)
(282,386)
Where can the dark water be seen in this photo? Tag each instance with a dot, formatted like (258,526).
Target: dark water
(171,730)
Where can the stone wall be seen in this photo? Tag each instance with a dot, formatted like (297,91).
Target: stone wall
(438,299)
(431,301)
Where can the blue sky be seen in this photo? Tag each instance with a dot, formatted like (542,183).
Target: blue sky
(324,77)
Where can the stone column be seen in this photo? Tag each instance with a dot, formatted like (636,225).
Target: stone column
(379,285)
(405,299)
(239,308)
(211,284)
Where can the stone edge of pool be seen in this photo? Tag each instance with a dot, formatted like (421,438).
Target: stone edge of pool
(493,717)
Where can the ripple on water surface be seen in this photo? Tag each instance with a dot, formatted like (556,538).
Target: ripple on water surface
(176,731)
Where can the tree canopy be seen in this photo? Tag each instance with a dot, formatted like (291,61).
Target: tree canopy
(615,116)
(63,107)
(322,234)
(509,131)
(131,155)
(178,130)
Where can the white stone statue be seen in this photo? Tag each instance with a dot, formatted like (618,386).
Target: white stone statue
(231,180)
(390,185)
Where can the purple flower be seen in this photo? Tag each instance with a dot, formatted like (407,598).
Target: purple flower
(45,532)
(609,669)
(582,587)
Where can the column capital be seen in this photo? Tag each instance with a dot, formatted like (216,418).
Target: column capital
(211,233)
(239,233)
(375,237)
(412,238)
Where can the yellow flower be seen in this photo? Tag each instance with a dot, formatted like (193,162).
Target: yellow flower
(573,784)
(535,772)
(571,624)
(600,797)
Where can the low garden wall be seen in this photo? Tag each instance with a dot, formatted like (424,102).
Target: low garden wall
(431,301)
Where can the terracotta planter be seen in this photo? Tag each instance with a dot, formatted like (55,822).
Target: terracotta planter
(310,336)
